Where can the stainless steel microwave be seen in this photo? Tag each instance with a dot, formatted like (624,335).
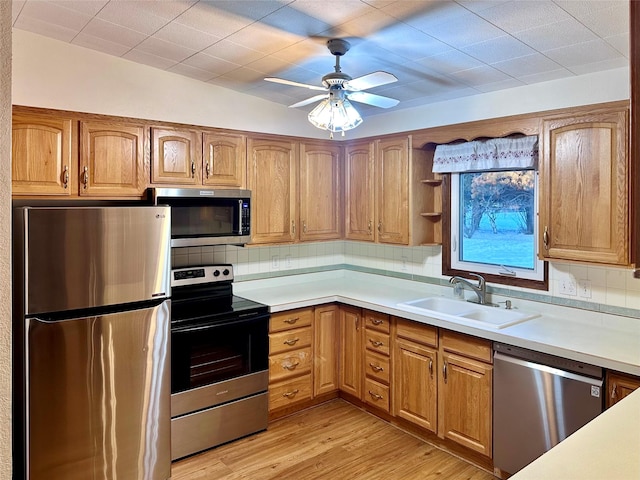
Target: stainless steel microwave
(206,216)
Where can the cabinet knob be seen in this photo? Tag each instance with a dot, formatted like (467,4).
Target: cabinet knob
(375,396)
(545,238)
(65,176)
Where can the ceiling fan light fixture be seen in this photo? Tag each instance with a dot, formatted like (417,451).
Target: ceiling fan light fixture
(335,114)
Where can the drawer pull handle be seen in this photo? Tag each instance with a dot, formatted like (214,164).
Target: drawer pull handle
(377,321)
(291,321)
(290,394)
(291,341)
(545,238)
(376,343)
(375,396)
(444,372)
(290,366)
(65,176)
(376,368)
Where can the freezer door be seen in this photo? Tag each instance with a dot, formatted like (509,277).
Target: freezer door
(83,257)
(99,397)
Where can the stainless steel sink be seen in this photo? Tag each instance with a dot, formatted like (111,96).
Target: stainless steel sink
(452,310)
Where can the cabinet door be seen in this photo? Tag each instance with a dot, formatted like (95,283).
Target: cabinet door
(325,362)
(415,384)
(464,402)
(351,329)
(359,192)
(584,188)
(319,192)
(225,160)
(392,191)
(619,386)
(272,181)
(43,155)
(176,156)
(112,159)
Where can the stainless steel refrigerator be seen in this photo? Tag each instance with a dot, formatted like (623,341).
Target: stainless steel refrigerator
(91,343)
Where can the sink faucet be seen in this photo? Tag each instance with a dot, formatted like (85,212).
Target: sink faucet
(480,290)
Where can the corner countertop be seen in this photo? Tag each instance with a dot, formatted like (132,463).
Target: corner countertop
(608,341)
(607,447)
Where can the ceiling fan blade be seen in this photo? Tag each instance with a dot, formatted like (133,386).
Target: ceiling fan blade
(294,84)
(372,99)
(370,80)
(315,98)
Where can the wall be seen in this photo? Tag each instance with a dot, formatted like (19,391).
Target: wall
(51,73)
(5,240)
(612,290)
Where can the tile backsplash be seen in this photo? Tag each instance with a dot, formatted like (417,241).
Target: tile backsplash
(568,283)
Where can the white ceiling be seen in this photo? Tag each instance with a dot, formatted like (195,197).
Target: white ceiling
(438,49)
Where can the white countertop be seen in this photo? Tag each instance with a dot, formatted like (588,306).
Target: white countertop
(607,341)
(606,448)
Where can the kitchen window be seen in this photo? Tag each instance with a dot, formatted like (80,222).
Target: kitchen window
(492,226)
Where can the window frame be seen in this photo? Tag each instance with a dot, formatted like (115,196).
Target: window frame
(449,270)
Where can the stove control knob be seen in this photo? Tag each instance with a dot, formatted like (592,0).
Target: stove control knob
(216,273)
(225,272)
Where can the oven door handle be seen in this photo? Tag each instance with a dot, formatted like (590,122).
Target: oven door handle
(202,327)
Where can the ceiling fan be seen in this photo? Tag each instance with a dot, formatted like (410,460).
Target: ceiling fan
(339,87)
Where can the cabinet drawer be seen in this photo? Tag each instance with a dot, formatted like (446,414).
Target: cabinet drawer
(376,394)
(290,319)
(289,340)
(377,366)
(289,364)
(467,345)
(417,332)
(377,341)
(290,392)
(377,321)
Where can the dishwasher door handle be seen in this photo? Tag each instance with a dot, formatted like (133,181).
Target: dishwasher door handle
(551,370)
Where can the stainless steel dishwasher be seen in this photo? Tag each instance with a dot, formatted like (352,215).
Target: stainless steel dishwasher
(538,401)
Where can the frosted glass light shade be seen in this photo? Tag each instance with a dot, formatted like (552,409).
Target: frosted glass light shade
(335,115)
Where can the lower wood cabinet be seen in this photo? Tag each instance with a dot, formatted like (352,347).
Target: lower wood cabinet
(465,391)
(619,385)
(350,340)
(416,377)
(290,359)
(325,351)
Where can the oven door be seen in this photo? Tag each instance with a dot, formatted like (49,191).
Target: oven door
(210,353)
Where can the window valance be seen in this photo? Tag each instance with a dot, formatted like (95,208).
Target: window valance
(493,154)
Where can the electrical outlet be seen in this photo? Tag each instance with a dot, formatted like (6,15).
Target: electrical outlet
(405,261)
(584,288)
(275,262)
(568,287)
(288,262)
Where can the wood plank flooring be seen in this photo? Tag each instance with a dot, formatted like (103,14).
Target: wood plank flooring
(335,441)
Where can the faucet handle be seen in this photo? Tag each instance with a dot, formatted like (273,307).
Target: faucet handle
(480,278)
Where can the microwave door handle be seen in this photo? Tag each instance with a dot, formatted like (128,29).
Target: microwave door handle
(239,217)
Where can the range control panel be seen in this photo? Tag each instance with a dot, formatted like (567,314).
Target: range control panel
(204,274)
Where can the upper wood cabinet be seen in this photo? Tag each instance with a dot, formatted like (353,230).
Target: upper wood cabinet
(225,160)
(584,187)
(112,159)
(272,179)
(359,191)
(320,194)
(384,197)
(392,190)
(176,156)
(44,155)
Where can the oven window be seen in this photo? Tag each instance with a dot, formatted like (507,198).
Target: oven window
(206,355)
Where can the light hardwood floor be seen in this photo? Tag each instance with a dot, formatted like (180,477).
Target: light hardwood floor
(334,441)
